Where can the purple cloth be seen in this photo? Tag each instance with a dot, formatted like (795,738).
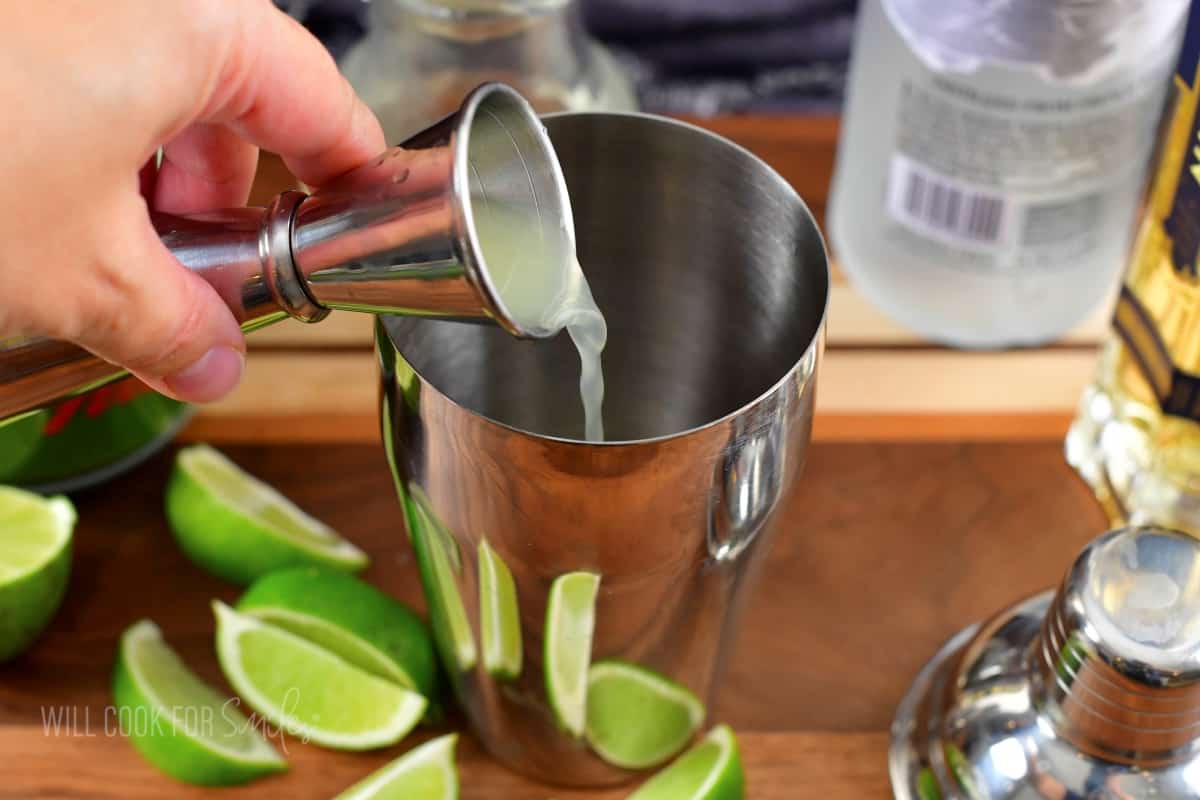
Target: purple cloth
(622,18)
(822,40)
(712,56)
(337,23)
(690,56)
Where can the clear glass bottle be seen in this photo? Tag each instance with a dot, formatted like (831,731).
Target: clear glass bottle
(422,56)
(992,157)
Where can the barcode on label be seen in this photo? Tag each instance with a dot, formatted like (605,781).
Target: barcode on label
(935,205)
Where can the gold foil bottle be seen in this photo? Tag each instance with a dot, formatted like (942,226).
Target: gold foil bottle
(1136,438)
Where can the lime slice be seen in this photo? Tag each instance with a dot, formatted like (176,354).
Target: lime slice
(927,785)
(447,613)
(238,528)
(434,526)
(20,438)
(350,618)
(499,621)
(424,773)
(309,691)
(637,718)
(179,723)
(962,771)
(570,621)
(35,562)
(712,770)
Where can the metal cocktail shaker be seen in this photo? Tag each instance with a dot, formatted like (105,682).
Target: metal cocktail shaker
(397,235)
(713,278)
(1090,691)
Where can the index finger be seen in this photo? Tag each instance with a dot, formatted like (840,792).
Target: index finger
(279,88)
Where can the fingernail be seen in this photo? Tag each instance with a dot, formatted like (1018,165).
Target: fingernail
(211,377)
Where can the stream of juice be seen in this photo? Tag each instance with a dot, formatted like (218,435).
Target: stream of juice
(546,289)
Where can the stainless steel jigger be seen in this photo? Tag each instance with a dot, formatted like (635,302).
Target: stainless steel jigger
(1091,692)
(395,236)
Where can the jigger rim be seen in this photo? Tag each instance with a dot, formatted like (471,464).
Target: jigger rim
(478,271)
(823,285)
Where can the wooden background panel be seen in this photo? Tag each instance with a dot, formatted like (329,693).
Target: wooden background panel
(330,394)
(853,322)
(878,378)
(362,427)
(801,149)
(850,381)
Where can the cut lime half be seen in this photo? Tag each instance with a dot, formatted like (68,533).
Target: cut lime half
(712,770)
(424,773)
(567,646)
(35,563)
(309,691)
(179,723)
(239,528)
(500,622)
(637,718)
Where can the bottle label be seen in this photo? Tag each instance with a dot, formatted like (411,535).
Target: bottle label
(1158,312)
(942,207)
(1013,178)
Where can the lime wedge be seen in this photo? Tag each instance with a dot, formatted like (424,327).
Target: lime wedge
(712,770)
(309,691)
(570,621)
(424,773)
(435,526)
(499,620)
(637,718)
(962,771)
(35,563)
(927,785)
(350,618)
(447,613)
(238,528)
(179,723)
(20,438)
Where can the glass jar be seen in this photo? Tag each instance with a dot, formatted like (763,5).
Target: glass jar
(421,58)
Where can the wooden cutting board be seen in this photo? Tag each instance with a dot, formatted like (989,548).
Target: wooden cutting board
(891,547)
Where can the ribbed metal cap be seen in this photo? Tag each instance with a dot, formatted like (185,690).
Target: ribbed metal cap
(1120,648)
(1090,691)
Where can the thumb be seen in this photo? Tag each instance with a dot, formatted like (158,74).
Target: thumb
(146,312)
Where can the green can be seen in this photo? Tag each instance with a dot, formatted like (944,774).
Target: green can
(88,439)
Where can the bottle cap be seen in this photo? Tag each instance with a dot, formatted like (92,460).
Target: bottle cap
(1092,691)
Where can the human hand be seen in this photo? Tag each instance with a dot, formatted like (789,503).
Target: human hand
(89,93)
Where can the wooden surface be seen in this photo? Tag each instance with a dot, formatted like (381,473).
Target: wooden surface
(878,379)
(891,548)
